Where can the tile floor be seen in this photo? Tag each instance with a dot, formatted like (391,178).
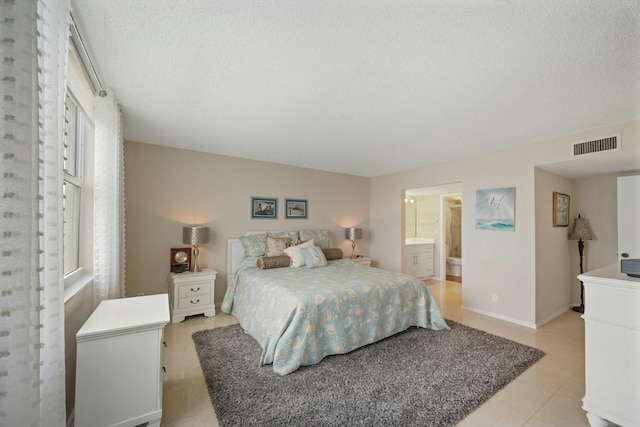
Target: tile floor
(547,394)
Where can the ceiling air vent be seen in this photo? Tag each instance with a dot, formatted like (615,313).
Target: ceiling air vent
(600,145)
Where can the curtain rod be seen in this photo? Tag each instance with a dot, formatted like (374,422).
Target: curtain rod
(84,57)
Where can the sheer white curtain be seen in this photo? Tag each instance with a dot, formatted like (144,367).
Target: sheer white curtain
(108,217)
(34,40)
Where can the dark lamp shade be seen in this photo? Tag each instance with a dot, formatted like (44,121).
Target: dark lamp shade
(195,236)
(353,233)
(580,230)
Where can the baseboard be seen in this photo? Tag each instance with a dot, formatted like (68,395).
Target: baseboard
(553,316)
(499,316)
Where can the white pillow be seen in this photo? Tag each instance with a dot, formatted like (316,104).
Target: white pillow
(294,253)
(314,257)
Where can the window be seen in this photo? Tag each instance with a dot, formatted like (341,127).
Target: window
(72,185)
(77,190)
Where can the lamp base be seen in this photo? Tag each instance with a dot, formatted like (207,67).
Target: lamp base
(579,309)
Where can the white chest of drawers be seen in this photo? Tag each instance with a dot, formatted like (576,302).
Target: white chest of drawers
(612,347)
(192,293)
(119,363)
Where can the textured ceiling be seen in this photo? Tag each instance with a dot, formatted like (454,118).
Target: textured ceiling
(364,87)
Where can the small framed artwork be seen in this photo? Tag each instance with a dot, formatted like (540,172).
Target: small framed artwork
(264,207)
(296,208)
(560,209)
(496,209)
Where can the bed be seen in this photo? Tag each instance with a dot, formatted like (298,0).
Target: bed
(301,315)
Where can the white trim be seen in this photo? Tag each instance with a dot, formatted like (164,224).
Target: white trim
(76,286)
(499,316)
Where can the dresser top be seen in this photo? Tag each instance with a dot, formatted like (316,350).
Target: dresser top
(610,274)
(126,315)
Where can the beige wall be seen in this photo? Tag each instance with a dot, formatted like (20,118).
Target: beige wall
(76,311)
(553,272)
(168,188)
(503,263)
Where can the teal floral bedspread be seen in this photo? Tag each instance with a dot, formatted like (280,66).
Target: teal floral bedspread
(300,315)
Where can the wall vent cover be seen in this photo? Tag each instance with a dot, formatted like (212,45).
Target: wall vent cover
(596,146)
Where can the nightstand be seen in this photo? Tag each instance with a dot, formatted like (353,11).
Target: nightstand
(192,293)
(361,260)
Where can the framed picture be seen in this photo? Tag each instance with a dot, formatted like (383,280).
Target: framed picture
(264,207)
(560,209)
(496,209)
(296,208)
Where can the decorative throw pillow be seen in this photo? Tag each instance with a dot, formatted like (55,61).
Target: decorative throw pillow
(320,237)
(293,235)
(254,244)
(277,245)
(313,257)
(296,256)
(266,262)
(332,253)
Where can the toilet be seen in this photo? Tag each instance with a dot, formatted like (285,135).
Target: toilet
(454,266)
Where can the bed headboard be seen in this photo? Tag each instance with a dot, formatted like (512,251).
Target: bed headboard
(235,253)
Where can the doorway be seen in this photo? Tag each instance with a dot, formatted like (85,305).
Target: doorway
(452,212)
(427,216)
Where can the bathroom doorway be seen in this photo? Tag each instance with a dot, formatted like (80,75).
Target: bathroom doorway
(452,210)
(427,218)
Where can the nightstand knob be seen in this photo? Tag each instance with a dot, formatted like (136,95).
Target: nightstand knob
(195,290)
(195,302)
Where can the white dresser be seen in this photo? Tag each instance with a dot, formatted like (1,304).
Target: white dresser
(119,363)
(192,293)
(612,347)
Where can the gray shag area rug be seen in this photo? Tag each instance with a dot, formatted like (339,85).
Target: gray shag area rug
(418,377)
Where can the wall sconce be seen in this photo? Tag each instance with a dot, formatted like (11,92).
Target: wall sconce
(353,234)
(195,236)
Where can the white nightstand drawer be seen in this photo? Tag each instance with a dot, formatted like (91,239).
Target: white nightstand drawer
(194,301)
(197,288)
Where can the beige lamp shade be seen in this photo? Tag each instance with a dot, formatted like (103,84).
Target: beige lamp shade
(580,230)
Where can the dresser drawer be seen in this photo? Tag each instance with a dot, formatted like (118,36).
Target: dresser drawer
(197,288)
(194,301)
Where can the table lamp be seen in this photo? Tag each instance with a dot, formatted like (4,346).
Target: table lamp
(195,236)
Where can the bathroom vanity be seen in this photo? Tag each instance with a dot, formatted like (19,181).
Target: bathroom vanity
(418,257)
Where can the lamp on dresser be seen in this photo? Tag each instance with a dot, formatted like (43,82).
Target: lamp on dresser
(195,236)
(580,232)
(353,234)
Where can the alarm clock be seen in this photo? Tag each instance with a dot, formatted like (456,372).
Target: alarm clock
(180,260)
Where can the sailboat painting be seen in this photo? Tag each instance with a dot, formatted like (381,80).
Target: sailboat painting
(496,209)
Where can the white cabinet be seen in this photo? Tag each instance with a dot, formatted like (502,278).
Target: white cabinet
(119,366)
(192,293)
(612,347)
(628,214)
(419,260)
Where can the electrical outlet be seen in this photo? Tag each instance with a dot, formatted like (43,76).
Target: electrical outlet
(494,297)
